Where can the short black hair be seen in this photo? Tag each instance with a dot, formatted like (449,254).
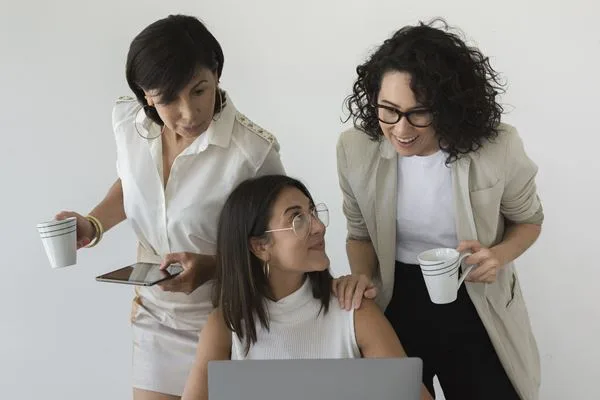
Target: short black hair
(242,287)
(166,55)
(452,79)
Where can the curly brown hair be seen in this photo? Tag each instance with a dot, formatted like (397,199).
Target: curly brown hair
(452,79)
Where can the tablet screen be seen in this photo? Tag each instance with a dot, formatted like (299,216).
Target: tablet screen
(141,274)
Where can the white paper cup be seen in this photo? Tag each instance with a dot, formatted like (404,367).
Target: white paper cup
(57,224)
(60,243)
(53,230)
(440,269)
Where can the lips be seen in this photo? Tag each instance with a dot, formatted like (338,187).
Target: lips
(406,140)
(318,246)
(192,128)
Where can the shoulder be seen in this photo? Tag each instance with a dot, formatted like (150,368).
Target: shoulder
(496,149)
(125,109)
(355,144)
(357,153)
(374,333)
(353,140)
(247,125)
(368,312)
(254,141)
(215,330)
(497,155)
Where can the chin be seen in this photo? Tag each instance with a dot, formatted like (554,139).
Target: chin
(320,264)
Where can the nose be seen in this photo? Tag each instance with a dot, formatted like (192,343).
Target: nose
(187,111)
(316,226)
(401,127)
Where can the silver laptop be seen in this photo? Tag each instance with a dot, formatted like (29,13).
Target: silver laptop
(341,379)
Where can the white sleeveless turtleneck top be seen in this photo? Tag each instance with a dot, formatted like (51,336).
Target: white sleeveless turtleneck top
(298,330)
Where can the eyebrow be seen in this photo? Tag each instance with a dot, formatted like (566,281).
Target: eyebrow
(292,208)
(199,83)
(415,107)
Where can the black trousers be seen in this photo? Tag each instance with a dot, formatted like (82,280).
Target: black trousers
(449,338)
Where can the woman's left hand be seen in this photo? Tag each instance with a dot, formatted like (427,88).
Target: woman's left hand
(197,269)
(486,261)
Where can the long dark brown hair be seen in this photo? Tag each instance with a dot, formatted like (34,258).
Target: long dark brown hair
(242,287)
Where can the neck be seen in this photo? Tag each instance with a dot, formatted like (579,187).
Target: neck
(175,140)
(285,283)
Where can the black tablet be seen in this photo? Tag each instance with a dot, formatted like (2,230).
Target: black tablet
(142,274)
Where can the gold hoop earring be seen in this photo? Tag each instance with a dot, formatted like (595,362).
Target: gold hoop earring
(266,269)
(136,122)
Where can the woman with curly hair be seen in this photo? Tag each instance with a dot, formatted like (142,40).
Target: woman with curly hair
(429,164)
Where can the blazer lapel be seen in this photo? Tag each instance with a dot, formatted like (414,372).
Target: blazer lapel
(465,223)
(386,195)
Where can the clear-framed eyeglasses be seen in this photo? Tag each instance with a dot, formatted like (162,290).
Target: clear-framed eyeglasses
(418,117)
(302,222)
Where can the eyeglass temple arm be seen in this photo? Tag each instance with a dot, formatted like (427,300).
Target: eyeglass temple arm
(279,230)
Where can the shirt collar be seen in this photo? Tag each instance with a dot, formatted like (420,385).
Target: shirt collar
(219,131)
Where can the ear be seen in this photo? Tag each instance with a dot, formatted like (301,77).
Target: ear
(261,248)
(149,99)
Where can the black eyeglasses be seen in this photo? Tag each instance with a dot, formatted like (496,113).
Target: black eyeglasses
(419,117)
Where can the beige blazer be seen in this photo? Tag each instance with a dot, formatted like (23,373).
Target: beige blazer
(492,184)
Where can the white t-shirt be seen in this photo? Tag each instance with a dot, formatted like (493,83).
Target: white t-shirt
(299,331)
(425,207)
(183,216)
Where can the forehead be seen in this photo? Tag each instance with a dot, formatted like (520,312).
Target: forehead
(395,88)
(201,75)
(290,197)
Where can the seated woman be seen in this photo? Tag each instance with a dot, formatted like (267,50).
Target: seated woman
(273,290)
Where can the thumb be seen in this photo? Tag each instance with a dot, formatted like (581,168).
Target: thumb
(84,241)
(169,259)
(472,245)
(370,293)
(64,215)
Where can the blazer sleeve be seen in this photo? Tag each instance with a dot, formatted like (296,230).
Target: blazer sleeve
(356,226)
(520,201)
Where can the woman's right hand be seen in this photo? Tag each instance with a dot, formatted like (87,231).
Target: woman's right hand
(85,229)
(350,290)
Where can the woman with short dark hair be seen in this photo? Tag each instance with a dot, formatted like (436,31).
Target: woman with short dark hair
(182,146)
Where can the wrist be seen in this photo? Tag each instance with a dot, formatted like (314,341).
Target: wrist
(97,230)
(502,254)
(93,230)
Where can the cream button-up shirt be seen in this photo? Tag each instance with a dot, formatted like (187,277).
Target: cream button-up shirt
(183,216)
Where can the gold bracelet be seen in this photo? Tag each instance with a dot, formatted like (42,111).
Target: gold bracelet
(94,240)
(99,230)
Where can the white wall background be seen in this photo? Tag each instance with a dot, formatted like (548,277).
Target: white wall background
(288,66)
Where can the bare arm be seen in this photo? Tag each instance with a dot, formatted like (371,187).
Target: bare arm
(376,337)
(517,239)
(111,211)
(214,344)
(374,334)
(362,257)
